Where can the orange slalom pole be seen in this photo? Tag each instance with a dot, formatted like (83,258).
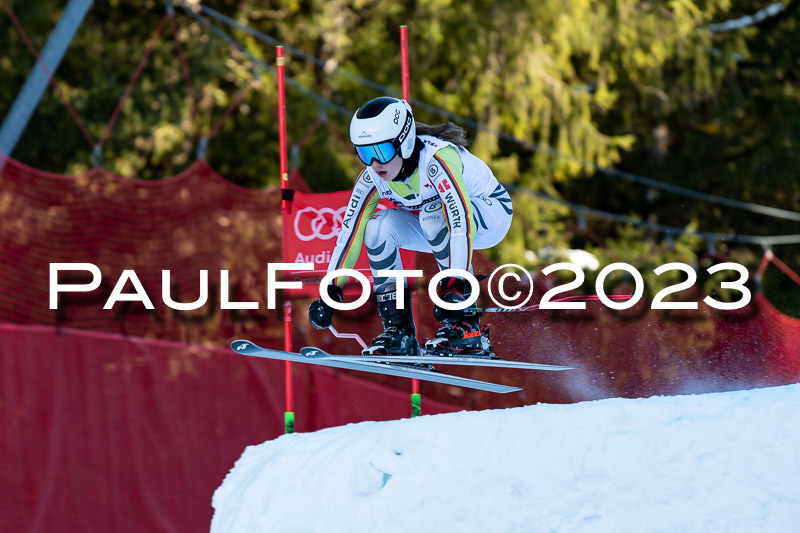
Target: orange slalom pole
(416,398)
(288,416)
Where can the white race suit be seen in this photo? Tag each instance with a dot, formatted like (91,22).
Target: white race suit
(450,205)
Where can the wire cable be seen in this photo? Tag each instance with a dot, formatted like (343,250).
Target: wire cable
(764,241)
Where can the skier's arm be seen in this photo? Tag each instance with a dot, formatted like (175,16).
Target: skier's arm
(445,172)
(363,201)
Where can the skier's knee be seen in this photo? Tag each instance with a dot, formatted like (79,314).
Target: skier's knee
(432,221)
(374,232)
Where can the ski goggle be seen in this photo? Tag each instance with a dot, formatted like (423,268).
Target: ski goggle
(381,152)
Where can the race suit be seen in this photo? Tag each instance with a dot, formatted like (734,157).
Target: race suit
(450,205)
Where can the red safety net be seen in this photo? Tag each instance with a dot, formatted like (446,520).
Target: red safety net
(100,432)
(194,221)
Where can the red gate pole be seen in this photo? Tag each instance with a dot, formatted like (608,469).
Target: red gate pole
(288,416)
(286,199)
(416,398)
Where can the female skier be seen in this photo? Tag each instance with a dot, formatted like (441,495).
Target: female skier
(448,203)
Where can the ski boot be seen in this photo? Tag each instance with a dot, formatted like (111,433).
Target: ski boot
(460,334)
(399,334)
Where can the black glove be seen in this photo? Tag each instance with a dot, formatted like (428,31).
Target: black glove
(320,314)
(453,291)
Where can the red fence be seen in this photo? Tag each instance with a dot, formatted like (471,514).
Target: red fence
(194,221)
(104,433)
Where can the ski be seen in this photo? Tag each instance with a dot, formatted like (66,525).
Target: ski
(247,347)
(435,360)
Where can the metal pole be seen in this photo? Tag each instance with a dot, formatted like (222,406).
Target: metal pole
(28,97)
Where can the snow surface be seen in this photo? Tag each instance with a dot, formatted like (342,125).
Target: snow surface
(710,462)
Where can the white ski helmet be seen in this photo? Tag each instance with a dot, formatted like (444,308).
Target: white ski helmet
(381,128)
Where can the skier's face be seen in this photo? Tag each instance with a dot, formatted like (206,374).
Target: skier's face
(388,171)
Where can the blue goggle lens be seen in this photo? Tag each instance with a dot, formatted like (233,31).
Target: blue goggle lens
(381,152)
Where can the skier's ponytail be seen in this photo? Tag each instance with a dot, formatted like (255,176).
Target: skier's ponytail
(447,131)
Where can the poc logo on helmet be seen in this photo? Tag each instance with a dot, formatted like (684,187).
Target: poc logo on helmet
(406,129)
(397,116)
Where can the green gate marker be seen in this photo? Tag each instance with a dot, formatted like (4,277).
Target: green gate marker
(416,405)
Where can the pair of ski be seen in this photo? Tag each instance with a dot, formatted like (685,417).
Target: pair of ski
(403,365)
(397,365)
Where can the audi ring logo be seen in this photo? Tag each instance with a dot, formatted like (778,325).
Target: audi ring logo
(322,223)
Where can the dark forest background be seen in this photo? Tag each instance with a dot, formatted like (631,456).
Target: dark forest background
(663,90)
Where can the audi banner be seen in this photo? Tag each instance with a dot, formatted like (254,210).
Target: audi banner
(309,236)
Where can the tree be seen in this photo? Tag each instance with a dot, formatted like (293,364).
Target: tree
(642,86)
